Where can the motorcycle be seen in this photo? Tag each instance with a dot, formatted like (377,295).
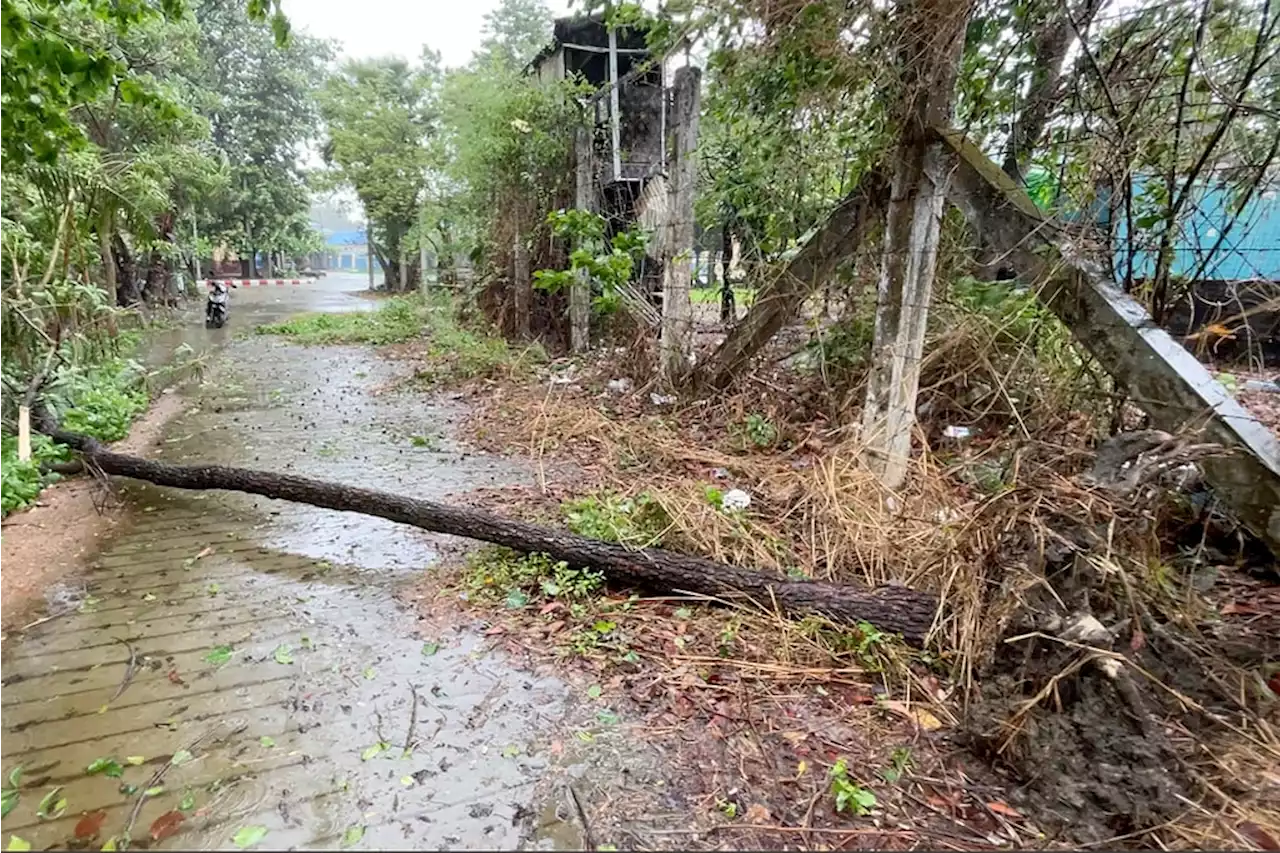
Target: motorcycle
(215,309)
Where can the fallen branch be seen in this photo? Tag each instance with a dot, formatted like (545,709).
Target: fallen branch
(896,609)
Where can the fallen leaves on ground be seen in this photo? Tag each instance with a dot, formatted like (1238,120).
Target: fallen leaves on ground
(352,835)
(105,766)
(90,824)
(167,824)
(1258,835)
(248,836)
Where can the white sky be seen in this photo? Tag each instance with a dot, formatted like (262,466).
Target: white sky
(370,28)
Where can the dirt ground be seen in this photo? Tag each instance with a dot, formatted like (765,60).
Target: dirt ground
(58,536)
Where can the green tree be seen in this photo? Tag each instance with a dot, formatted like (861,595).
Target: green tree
(262,110)
(381,117)
(514,32)
(48,68)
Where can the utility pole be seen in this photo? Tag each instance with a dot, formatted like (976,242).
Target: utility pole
(368,248)
(580,289)
(675,345)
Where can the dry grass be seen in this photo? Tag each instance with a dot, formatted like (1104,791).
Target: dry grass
(978,524)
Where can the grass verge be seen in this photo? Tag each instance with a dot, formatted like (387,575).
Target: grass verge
(426,331)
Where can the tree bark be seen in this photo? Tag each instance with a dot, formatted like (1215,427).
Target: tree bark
(580,290)
(1049,49)
(106,228)
(521,287)
(895,609)
(128,291)
(155,288)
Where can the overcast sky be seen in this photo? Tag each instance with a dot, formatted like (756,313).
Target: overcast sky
(368,28)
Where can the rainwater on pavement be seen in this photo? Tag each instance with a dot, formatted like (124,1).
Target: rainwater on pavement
(247,663)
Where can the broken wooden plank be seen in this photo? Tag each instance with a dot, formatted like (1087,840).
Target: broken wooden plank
(1166,381)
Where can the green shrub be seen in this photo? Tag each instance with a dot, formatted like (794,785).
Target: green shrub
(21,481)
(638,522)
(495,573)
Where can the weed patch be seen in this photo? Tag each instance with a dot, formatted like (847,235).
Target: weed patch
(500,574)
(639,521)
(397,320)
(427,330)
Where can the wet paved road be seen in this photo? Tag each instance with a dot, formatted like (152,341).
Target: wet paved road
(265,640)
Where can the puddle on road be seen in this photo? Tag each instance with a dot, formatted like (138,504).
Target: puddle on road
(264,638)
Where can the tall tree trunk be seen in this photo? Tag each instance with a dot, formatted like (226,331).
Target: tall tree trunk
(932,34)
(580,289)
(521,286)
(106,228)
(155,289)
(1049,46)
(128,288)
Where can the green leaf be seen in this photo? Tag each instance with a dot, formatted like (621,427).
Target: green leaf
(52,805)
(15,777)
(370,673)
(111,844)
(180,757)
(374,751)
(267,741)
(135,760)
(683,613)
(106,766)
(516,599)
(8,800)
(595,691)
(407,781)
(429,649)
(247,836)
(188,801)
(283,654)
(16,843)
(220,656)
(352,835)
(153,791)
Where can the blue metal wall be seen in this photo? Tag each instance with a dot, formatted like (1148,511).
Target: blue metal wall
(1250,249)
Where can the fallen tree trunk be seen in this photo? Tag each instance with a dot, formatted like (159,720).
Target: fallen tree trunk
(895,609)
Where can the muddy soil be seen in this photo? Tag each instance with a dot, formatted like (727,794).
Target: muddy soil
(246,664)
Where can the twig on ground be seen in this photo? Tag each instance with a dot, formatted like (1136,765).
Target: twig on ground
(413,721)
(158,777)
(129,671)
(587,840)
